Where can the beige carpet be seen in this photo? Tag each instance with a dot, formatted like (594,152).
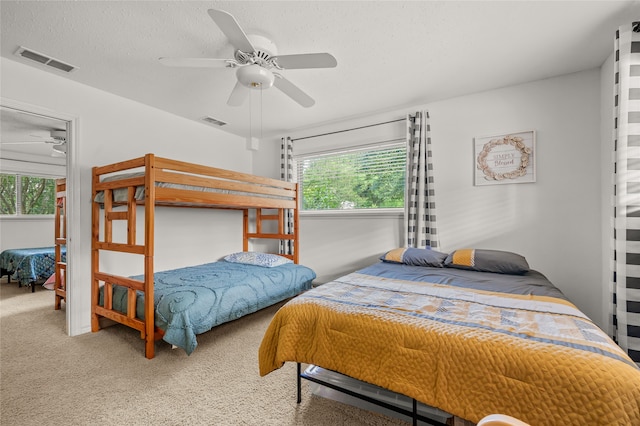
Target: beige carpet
(48,378)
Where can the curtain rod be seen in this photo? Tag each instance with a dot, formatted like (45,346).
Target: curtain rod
(348,130)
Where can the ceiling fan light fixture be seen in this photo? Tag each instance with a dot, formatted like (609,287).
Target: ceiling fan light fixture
(255,77)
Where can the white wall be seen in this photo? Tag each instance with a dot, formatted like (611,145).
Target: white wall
(111,129)
(27,232)
(554,222)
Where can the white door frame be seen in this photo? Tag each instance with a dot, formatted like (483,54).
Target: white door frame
(73,310)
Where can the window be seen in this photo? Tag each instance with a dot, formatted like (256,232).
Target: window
(26,195)
(366,177)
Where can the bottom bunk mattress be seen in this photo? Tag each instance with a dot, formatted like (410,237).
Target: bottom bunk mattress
(192,300)
(29,265)
(469,343)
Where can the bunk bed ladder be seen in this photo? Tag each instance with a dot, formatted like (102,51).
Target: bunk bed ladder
(106,310)
(60,240)
(280,217)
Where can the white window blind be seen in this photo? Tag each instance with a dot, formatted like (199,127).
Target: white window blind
(370,176)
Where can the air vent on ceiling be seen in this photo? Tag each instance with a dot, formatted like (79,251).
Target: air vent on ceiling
(23,52)
(214,121)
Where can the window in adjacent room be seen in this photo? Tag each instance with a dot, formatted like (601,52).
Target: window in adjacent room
(24,195)
(364,177)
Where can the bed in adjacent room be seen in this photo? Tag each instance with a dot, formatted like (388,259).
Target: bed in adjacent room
(177,305)
(471,333)
(29,266)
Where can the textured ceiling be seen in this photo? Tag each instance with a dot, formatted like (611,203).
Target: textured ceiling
(390,54)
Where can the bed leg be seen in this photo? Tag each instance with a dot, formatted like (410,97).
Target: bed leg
(33,287)
(299,379)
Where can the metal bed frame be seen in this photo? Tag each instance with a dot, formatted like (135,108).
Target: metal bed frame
(413,414)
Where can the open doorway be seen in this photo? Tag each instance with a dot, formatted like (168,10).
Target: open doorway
(34,154)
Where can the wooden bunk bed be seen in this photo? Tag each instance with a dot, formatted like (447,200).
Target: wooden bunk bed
(152,181)
(60,240)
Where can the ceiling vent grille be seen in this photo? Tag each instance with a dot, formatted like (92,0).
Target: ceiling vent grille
(23,52)
(213,121)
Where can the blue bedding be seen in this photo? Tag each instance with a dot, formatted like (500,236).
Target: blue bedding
(191,300)
(532,282)
(29,265)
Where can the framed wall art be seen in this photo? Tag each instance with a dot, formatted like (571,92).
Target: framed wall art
(507,158)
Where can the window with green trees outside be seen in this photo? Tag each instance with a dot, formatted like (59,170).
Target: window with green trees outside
(366,178)
(26,195)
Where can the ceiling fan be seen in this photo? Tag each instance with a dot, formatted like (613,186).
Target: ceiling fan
(256,61)
(57,139)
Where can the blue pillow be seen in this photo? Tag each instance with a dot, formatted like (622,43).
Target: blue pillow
(415,257)
(267,260)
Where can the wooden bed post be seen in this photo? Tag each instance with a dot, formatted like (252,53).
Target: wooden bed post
(60,239)
(245,230)
(296,233)
(95,253)
(149,218)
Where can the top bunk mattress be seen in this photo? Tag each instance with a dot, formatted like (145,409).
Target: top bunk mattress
(121,195)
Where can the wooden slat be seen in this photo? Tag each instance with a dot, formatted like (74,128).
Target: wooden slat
(108,207)
(216,183)
(61,241)
(120,183)
(270,217)
(245,230)
(132,297)
(164,163)
(117,215)
(135,249)
(119,280)
(231,200)
(131,217)
(281,221)
(259,221)
(121,318)
(107,295)
(117,167)
(272,236)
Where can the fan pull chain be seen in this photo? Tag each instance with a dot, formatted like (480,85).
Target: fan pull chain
(250,116)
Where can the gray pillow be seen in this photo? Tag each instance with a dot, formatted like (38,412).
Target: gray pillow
(501,262)
(415,256)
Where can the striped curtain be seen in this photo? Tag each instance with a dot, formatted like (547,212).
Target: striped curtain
(286,174)
(420,205)
(625,284)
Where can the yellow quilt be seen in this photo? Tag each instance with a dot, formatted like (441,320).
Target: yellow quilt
(468,352)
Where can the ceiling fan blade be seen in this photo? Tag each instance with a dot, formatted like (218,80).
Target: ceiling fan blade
(293,91)
(306,60)
(22,142)
(238,95)
(230,27)
(196,62)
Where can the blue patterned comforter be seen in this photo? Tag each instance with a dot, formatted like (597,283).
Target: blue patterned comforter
(191,300)
(30,264)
